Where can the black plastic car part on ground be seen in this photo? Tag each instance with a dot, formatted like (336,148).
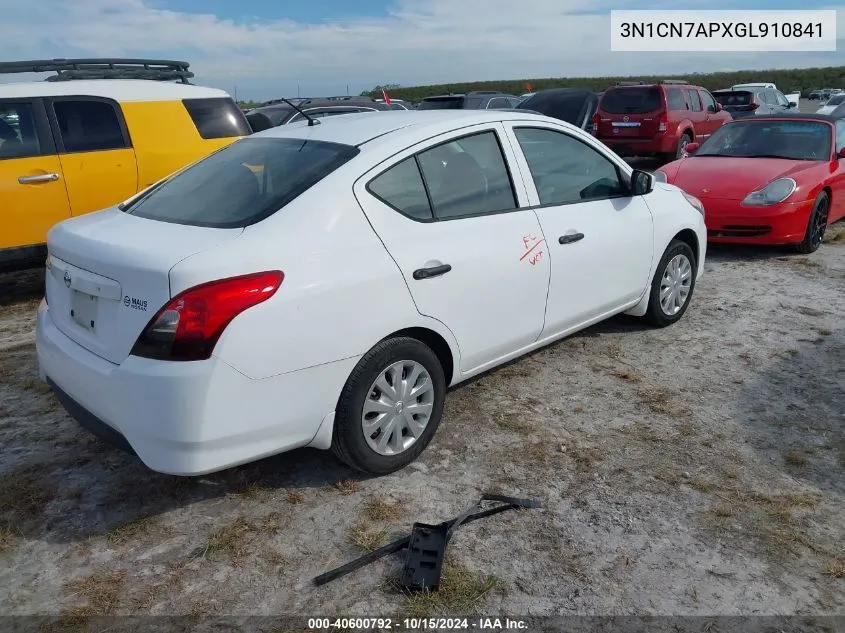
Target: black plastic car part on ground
(573,105)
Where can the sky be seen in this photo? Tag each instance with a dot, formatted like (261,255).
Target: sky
(260,49)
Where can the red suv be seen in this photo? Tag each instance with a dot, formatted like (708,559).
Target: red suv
(638,119)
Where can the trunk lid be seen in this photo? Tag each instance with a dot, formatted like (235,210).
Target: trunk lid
(630,112)
(108,275)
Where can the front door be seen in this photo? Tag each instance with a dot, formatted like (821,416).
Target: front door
(32,186)
(447,212)
(95,151)
(600,238)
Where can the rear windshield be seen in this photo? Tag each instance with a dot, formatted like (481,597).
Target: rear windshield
(566,107)
(631,100)
(447,103)
(243,183)
(217,117)
(734,98)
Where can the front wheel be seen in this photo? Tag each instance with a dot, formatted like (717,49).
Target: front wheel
(390,407)
(672,285)
(816,225)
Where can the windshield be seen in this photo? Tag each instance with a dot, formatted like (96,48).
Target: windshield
(566,107)
(631,100)
(792,140)
(734,98)
(442,103)
(242,183)
(836,99)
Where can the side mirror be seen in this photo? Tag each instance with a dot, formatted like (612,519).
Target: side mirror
(691,148)
(642,183)
(841,154)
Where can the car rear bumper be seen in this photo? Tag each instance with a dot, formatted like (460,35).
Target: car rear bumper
(186,418)
(636,146)
(731,223)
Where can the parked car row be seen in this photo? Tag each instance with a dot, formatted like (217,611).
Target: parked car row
(824,94)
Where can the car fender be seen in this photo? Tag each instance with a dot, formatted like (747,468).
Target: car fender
(672,214)
(684,126)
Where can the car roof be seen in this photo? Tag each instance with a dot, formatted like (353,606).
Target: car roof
(357,129)
(118,89)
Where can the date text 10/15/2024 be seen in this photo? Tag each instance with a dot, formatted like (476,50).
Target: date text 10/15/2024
(417,624)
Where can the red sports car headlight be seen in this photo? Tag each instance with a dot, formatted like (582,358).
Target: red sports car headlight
(774,193)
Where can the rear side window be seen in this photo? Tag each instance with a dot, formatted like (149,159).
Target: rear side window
(89,126)
(217,117)
(402,188)
(631,100)
(675,98)
(243,183)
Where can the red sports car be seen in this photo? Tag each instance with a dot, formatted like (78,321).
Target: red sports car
(774,179)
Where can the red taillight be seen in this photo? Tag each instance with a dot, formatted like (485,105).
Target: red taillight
(663,123)
(596,121)
(189,326)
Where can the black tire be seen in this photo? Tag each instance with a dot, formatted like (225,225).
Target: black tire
(348,441)
(655,315)
(816,225)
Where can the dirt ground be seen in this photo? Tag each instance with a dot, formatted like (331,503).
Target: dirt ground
(694,470)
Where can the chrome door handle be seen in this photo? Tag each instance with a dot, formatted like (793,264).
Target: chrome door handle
(28,180)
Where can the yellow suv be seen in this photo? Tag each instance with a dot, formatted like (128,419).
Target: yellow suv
(93,135)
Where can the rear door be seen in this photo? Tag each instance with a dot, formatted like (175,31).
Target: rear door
(95,151)
(712,119)
(630,112)
(447,210)
(32,185)
(696,112)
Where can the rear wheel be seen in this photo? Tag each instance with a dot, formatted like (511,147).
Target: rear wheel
(390,407)
(672,285)
(686,139)
(816,225)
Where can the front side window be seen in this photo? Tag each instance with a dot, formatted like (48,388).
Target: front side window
(89,126)
(18,135)
(707,99)
(566,170)
(242,183)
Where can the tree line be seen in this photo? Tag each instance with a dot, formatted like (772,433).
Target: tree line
(787,80)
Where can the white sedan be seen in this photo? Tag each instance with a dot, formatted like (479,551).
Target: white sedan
(322,285)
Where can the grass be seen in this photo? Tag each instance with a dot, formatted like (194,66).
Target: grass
(379,510)
(797,457)
(132,529)
(9,537)
(235,538)
(101,590)
(512,421)
(657,400)
(835,568)
(460,592)
(347,486)
(366,537)
(24,492)
(295,496)
(769,518)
